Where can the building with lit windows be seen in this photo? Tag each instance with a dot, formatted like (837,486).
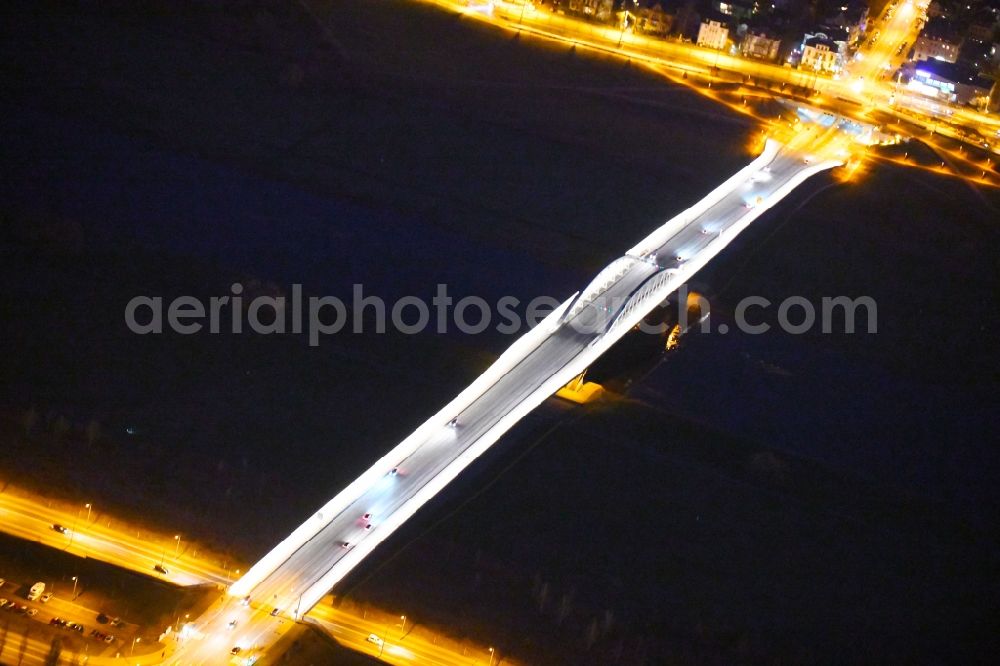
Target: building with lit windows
(950,82)
(600,10)
(741,10)
(852,16)
(653,21)
(759,43)
(822,49)
(820,55)
(937,41)
(713,34)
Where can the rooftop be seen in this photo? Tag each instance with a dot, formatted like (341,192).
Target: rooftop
(954,72)
(941,29)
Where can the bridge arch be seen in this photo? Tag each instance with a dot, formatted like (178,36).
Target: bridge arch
(607,277)
(640,295)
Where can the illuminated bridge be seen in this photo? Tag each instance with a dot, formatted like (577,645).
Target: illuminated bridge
(300,570)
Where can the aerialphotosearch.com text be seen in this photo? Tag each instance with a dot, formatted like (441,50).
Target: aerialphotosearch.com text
(319,316)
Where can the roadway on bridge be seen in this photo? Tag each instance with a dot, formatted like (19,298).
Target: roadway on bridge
(300,571)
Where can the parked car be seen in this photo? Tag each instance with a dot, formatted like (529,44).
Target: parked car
(36,591)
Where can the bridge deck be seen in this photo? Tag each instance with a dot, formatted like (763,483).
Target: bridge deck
(304,567)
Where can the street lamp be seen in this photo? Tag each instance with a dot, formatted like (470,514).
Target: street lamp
(75,580)
(76,521)
(177,626)
(88,511)
(402,627)
(621,35)
(491,657)
(177,549)
(385,635)
(137,639)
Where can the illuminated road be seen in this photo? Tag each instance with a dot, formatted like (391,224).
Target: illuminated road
(26,518)
(305,566)
(31,519)
(18,648)
(866,81)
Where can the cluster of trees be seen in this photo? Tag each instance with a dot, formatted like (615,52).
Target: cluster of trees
(60,427)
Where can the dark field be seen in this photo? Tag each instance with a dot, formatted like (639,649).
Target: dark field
(774,498)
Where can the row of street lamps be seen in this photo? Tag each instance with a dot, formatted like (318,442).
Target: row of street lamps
(402,632)
(177,549)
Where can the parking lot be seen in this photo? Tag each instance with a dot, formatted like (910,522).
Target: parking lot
(53,614)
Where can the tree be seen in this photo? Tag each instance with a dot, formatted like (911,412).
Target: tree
(30,419)
(61,427)
(93,431)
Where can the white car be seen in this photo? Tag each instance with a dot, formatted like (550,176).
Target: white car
(373,638)
(45,597)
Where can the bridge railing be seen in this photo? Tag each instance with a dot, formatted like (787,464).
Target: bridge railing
(268,564)
(607,277)
(653,290)
(640,296)
(666,231)
(657,287)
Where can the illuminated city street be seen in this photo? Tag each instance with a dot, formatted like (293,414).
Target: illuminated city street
(865,82)
(27,518)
